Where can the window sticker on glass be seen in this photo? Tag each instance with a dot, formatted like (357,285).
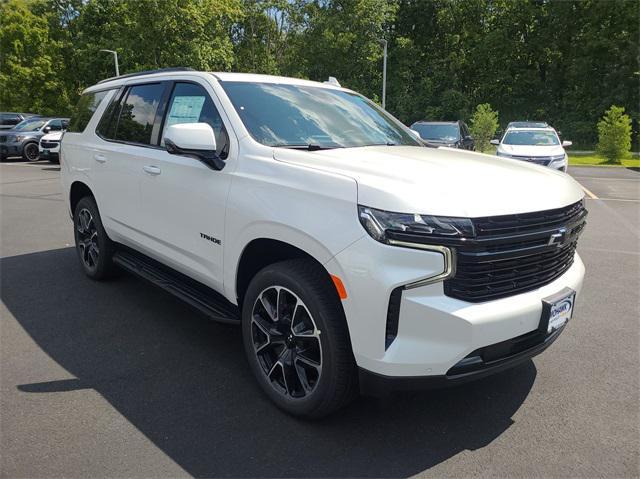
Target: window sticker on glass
(185,109)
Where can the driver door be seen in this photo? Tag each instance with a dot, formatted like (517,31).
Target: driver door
(184,200)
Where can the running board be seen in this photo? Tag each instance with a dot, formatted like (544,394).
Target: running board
(201,297)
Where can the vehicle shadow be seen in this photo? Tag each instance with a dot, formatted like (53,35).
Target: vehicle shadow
(183,382)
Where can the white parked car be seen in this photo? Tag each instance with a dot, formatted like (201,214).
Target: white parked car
(535,142)
(353,256)
(49,146)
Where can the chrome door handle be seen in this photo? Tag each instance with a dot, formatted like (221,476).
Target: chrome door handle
(152,170)
(99,158)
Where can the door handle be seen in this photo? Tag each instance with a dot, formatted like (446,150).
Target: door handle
(152,170)
(99,158)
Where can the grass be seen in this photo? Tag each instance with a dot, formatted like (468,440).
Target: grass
(591,159)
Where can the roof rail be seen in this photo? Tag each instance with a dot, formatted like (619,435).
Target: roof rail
(149,72)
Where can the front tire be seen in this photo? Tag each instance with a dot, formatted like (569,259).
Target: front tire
(30,152)
(95,249)
(296,339)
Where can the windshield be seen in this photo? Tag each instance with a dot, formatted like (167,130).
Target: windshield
(29,125)
(531,137)
(302,116)
(437,132)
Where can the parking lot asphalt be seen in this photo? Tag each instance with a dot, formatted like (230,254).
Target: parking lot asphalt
(119,379)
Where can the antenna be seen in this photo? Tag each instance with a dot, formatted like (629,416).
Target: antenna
(332,81)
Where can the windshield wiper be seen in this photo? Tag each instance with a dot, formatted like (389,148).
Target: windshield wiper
(307,146)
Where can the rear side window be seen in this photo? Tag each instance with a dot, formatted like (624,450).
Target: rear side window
(86,107)
(138,113)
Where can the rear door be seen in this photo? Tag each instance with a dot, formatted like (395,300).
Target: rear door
(129,132)
(183,199)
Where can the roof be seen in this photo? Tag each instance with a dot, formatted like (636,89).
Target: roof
(528,124)
(221,76)
(426,122)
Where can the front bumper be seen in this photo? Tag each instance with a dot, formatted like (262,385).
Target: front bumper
(516,351)
(435,332)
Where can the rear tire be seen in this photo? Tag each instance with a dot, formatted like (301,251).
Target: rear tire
(95,249)
(296,339)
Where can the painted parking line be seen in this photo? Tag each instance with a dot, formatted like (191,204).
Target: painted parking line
(589,193)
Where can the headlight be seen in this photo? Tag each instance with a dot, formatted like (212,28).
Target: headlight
(392,228)
(557,158)
(19,138)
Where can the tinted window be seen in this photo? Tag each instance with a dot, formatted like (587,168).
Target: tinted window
(8,119)
(441,132)
(138,113)
(107,126)
(191,103)
(55,125)
(300,115)
(86,107)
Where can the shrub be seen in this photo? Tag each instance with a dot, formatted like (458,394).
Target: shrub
(614,135)
(484,124)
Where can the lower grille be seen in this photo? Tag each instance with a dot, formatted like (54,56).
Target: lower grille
(3,139)
(49,144)
(538,160)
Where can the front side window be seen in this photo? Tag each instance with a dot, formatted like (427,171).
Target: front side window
(138,113)
(86,107)
(531,137)
(55,125)
(302,116)
(190,103)
(440,132)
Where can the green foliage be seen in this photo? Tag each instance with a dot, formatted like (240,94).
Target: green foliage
(563,62)
(614,135)
(29,62)
(484,124)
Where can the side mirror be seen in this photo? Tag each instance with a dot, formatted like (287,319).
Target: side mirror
(196,140)
(416,134)
(46,129)
(495,142)
(567,143)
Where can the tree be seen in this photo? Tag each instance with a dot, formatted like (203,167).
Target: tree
(614,135)
(484,123)
(29,62)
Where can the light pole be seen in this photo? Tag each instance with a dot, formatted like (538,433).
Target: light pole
(384,73)
(115,56)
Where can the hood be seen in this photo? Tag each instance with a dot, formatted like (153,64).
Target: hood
(55,136)
(441,181)
(531,150)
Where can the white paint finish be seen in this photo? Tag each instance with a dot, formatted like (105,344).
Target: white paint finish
(160,203)
(439,181)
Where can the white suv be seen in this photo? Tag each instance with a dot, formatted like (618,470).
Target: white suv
(353,256)
(535,142)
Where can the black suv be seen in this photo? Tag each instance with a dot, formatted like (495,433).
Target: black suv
(22,140)
(454,134)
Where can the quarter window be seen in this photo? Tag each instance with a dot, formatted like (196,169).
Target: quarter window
(138,113)
(86,107)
